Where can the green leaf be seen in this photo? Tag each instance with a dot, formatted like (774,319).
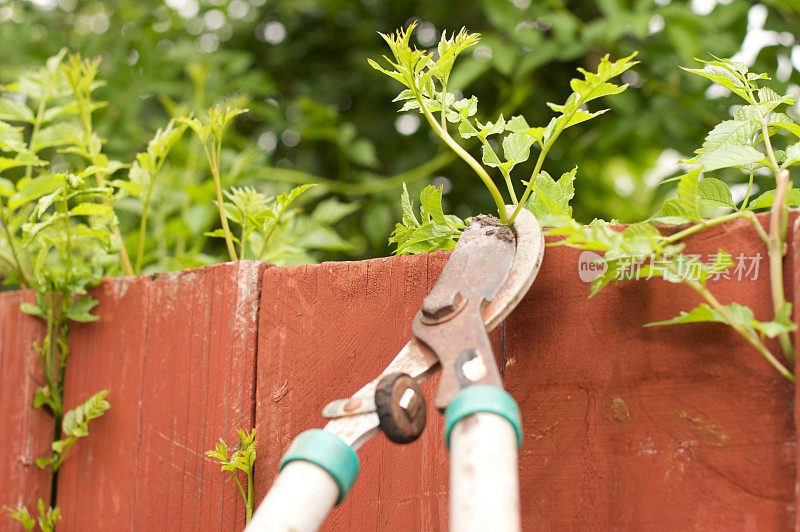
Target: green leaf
(33,310)
(21,514)
(43,397)
(730,157)
(33,189)
(551,198)
(431,205)
(7,188)
(764,201)
(729,133)
(21,159)
(688,199)
(722,75)
(93,209)
(436,230)
(79,310)
(14,111)
(714,192)
(516,148)
(11,138)
(59,134)
(219,233)
(490,157)
(76,421)
(409,218)
(792,155)
(739,314)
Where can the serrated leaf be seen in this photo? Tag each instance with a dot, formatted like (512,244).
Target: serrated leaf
(409,218)
(76,421)
(688,193)
(764,201)
(59,134)
(431,204)
(730,157)
(33,189)
(721,75)
(714,192)
(516,148)
(11,138)
(740,314)
(490,157)
(551,198)
(436,229)
(729,133)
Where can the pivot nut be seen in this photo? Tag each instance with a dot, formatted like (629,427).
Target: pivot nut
(401,407)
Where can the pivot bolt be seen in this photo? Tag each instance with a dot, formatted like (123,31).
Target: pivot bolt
(401,407)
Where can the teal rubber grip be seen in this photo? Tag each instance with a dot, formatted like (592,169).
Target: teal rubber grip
(482,398)
(329,452)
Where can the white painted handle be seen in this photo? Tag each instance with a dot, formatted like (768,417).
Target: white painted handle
(299,500)
(484,480)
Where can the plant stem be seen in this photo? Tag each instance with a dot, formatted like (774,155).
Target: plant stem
(249,501)
(777,227)
(143,221)
(749,188)
(213,162)
(506,176)
(704,224)
(775,250)
(244,497)
(751,337)
(536,170)
(466,157)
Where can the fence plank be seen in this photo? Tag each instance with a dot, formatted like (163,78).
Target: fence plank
(325,331)
(26,431)
(662,428)
(178,354)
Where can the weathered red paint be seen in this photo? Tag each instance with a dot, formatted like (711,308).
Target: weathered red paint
(625,427)
(326,331)
(25,431)
(177,353)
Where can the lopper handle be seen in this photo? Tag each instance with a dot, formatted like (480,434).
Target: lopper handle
(483,432)
(316,473)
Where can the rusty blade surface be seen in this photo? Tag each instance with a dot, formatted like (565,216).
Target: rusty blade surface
(420,362)
(450,321)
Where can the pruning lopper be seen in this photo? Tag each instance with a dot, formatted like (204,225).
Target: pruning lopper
(487,275)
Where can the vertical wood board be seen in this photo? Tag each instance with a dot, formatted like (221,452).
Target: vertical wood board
(177,353)
(25,431)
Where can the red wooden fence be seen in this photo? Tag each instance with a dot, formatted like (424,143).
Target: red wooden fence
(625,427)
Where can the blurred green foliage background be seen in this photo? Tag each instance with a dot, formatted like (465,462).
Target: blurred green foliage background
(319,113)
